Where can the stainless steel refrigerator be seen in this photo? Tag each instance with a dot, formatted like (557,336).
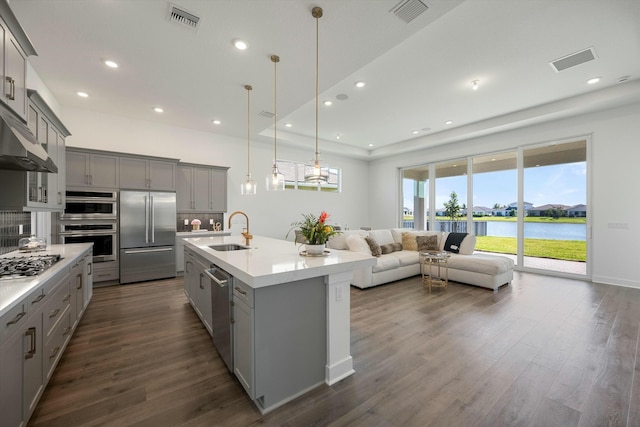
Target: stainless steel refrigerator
(147,235)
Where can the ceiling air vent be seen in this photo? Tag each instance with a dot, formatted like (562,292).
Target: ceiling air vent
(573,59)
(266,114)
(408,10)
(182,17)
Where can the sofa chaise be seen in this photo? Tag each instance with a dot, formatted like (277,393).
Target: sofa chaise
(398,257)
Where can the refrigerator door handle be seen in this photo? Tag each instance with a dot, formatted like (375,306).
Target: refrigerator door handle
(146,220)
(153,222)
(144,251)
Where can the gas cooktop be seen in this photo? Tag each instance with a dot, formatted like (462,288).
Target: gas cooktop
(24,266)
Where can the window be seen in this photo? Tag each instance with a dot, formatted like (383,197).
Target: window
(294,173)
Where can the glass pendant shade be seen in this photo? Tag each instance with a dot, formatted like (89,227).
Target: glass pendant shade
(248,188)
(316,174)
(275,180)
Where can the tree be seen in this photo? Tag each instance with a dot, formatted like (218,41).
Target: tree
(452,207)
(497,206)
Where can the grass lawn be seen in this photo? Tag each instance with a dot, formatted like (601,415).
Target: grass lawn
(568,250)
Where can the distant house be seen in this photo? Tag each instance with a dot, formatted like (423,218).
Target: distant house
(577,211)
(544,209)
(512,207)
(482,211)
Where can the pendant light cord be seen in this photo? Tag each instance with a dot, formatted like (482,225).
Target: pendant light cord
(248,88)
(317,16)
(275,59)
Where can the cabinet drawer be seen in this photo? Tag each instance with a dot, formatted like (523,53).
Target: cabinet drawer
(56,343)
(38,298)
(57,306)
(243,292)
(12,320)
(105,274)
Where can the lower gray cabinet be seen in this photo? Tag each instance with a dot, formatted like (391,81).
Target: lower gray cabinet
(279,336)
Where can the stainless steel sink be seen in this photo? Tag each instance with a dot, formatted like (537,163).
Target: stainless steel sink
(228,247)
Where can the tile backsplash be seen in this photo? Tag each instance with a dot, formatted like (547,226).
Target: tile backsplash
(10,222)
(204,218)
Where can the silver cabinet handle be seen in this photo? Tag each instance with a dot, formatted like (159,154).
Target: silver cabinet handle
(40,298)
(12,92)
(16,319)
(222,283)
(240,290)
(31,332)
(79,281)
(54,352)
(54,313)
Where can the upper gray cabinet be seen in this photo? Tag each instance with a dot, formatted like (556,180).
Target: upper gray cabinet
(147,174)
(38,191)
(201,188)
(87,168)
(15,47)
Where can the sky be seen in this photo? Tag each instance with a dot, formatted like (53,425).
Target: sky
(557,184)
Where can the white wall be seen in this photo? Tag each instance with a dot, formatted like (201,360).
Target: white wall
(270,214)
(615,172)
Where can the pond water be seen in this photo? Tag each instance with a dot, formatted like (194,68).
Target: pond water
(539,230)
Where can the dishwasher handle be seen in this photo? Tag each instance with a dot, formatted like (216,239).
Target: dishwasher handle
(221,283)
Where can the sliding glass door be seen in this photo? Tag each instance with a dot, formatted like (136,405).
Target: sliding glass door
(529,204)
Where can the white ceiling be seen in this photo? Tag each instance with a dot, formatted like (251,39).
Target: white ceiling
(418,74)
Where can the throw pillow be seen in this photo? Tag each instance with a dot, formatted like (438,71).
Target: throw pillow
(427,243)
(387,249)
(396,247)
(373,245)
(356,243)
(409,242)
(454,240)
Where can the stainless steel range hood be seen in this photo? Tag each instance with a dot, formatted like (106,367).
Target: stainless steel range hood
(19,149)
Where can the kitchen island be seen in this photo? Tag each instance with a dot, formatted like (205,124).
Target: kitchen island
(290,314)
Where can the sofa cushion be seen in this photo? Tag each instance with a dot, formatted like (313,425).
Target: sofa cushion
(356,243)
(383,237)
(407,257)
(427,243)
(373,246)
(386,262)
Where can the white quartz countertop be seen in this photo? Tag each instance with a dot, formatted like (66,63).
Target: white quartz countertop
(12,291)
(272,261)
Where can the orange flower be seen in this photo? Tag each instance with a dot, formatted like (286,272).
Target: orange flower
(323,217)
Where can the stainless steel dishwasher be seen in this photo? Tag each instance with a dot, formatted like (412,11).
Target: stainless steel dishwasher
(221,293)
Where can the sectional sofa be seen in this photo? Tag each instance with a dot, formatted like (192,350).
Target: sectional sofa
(398,257)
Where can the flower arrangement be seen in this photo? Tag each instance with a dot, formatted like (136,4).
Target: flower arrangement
(196,224)
(314,229)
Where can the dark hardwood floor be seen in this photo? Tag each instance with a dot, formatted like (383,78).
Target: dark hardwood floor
(542,352)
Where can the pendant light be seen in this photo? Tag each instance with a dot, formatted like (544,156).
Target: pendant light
(248,187)
(318,173)
(275,180)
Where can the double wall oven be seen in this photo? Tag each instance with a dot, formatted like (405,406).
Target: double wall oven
(92,217)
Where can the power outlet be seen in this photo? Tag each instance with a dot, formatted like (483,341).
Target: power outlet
(186,222)
(211,221)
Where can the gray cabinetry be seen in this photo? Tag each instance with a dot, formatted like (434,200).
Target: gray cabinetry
(39,190)
(147,174)
(91,169)
(198,287)
(14,49)
(201,188)
(33,335)
(268,344)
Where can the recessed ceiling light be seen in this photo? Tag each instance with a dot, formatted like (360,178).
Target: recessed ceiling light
(342,97)
(338,136)
(370,145)
(360,84)
(448,122)
(328,103)
(623,79)
(111,64)
(158,110)
(415,132)
(216,122)
(240,44)
(593,80)
(83,94)
(474,84)
(288,125)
